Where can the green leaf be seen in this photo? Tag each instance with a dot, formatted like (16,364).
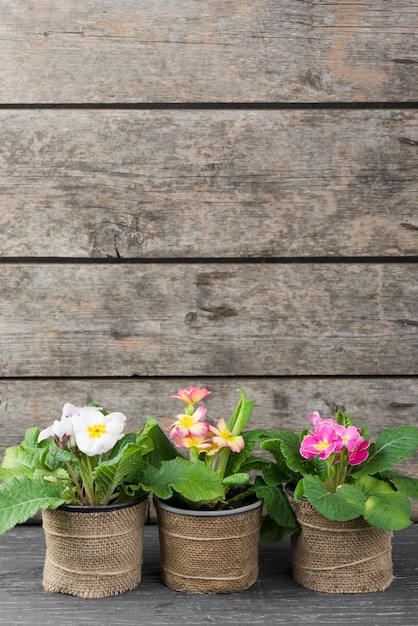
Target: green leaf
(347,503)
(274,475)
(289,446)
(273,445)
(386,508)
(405,484)
(299,492)
(270,532)
(16,462)
(238,459)
(194,481)
(236,479)
(109,475)
(278,509)
(391,448)
(321,469)
(163,448)
(21,498)
(343,419)
(255,463)
(242,414)
(57,457)
(30,439)
(121,443)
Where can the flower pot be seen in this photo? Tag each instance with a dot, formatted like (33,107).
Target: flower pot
(339,557)
(209,551)
(94,552)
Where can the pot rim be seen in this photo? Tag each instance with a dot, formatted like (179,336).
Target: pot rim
(100,508)
(196,513)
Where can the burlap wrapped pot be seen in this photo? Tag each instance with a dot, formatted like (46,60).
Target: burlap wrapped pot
(93,552)
(209,551)
(339,557)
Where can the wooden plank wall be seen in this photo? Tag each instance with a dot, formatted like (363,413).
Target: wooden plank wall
(215,193)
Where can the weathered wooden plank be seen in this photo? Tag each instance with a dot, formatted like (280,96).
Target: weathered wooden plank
(253,50)
(205,183)
(208,319)
(274,599)
(279,402)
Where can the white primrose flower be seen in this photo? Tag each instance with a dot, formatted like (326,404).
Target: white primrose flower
(69,410)
(96,433)
(59,429)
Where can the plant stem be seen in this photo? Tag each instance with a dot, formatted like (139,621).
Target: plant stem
(73,476)
(223,458)
(88,479)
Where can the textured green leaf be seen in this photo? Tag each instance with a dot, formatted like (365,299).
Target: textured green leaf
(17,461)
(271,532)
(386,508)
(163,448)
(299,492)
(284,445)
(238,459)
(194,481)
(21,498)
(237,479)
(404,484)
(242,414)
(109,475)
(274,475)
(391,448)
(348,502)
(56,457)
(343,418)
(278,509)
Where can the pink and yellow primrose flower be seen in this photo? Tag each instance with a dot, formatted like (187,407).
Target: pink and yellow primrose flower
(191,395)
(222,437)
(192,441)
(323,442)
(190,425)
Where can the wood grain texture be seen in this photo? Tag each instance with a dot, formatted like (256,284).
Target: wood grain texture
(189,51)
(202,183)
(279,403)
(210,319)
(274,599)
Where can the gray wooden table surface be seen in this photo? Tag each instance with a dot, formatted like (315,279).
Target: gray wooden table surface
(274,599)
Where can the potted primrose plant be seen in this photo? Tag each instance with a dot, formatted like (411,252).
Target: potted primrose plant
(347,497)
(79,472)
(208,505)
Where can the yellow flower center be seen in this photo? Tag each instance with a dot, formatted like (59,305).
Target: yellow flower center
(97,430)
(322,445)
(186,421)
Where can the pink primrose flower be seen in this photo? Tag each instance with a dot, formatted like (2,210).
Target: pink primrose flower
(323,442)
(222,437)
(191,395)
(359,453)
(314,417)
(350,436)
(187,425)
(318,421)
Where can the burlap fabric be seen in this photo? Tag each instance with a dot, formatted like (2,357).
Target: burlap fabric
(339,557)
(93,554)
(207,554)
